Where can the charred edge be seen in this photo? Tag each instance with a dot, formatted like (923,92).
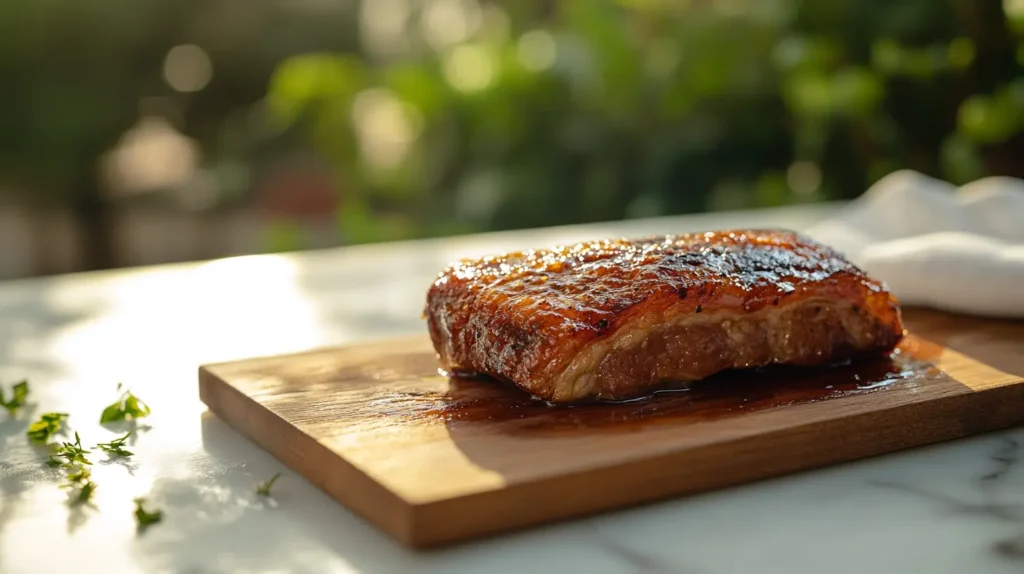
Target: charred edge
(682,292)
(602,324)
(699,308)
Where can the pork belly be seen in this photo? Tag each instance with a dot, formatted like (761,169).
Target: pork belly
(619,318)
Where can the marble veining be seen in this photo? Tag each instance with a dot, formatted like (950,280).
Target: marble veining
(640,561)
(1002,498)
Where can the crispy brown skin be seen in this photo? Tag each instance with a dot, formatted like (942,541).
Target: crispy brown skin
(616,319)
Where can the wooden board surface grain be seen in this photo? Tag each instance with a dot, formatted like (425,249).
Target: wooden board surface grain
(433,460)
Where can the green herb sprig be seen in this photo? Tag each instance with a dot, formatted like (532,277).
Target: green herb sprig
(48,425)
(263,488)
(74,458)
(116,446)
(127,407)
(79,479)
(19,394)
(72,452)
(143,518)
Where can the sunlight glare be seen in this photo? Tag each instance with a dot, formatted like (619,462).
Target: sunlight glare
(151,155)
(229,308)
(446,23)
(382,26)
(804,177)
(536,50)
(187,68)
(385,126)
(469,68)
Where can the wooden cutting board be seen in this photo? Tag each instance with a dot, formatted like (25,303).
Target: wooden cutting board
(432,460)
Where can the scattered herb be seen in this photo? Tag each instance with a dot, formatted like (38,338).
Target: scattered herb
(72,456)
(80,479)
(263,488)
(77,475)
(143,518)
(48,425)
(128,407)
(72,452)
(18,395)
(116,446)
(85,492)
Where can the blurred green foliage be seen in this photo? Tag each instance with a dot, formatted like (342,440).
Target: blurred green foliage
(496,115)
(75,76)
(440,117)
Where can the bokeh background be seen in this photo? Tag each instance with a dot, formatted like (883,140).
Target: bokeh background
(151,131)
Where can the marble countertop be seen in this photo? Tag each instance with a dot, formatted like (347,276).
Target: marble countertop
(956,507)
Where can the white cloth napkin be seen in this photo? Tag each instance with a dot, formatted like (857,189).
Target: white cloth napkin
(933,244)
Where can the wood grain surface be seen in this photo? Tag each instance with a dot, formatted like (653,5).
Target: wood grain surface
(433,460)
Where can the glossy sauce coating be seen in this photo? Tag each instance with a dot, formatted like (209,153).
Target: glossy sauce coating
(724,395)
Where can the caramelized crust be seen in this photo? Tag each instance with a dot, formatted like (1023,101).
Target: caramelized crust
(615,319)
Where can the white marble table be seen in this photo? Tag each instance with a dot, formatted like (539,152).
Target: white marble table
(957,507)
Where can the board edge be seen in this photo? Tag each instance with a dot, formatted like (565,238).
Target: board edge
(344,483)
(936,421)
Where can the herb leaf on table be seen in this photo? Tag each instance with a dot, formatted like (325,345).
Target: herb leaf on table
(144,518)
(127,407)
(72,452)
(79,479)
(48,425)
(116,446)
(263,488)
(19,394)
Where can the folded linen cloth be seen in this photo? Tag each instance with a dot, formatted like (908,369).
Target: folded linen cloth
(936,245)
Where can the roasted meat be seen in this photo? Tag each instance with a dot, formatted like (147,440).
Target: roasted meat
(617,319)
